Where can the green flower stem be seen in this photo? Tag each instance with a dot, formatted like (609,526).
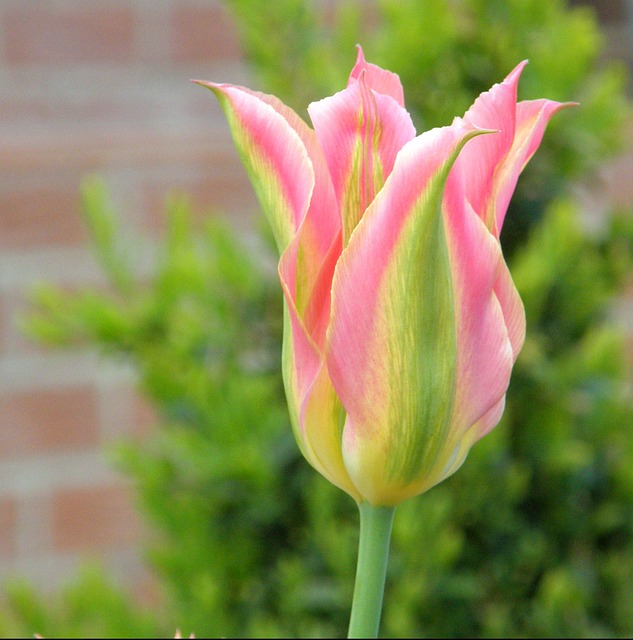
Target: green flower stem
(371,570)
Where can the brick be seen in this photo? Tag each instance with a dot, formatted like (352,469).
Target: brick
(54,33)
(48,420)
(203,34)
(148,592)
(94,519)
(8,527)
(121,146)
(123,414)
(209,191)
(42,216)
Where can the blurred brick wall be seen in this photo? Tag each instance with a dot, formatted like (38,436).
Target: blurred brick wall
(92,86)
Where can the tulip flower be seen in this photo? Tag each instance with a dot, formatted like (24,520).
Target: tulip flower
(402,322)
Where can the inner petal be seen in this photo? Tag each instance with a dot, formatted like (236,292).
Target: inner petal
(361,133)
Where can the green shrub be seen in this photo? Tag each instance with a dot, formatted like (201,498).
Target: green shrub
(90,606)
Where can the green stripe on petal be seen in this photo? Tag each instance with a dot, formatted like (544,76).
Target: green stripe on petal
(275,158)
(361,132)
(417,293)
(364,181)
(392,349)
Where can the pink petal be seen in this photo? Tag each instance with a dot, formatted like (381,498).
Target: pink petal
(379,80)
(291,179)
(496,110)
(392,330)
(323,219)
(490,325)
(485,424)
(532,118)
(319,241)
(290,176)
(511,307)
(360,132)
(489,420)
(491,164)
(274,155)
(484,349)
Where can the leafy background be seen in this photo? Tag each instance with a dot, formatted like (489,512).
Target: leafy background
(533,536)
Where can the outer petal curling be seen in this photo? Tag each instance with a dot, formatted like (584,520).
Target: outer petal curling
(321,225)
(493,109)
(533,117)
(492,164)
(290,178)
(274,156)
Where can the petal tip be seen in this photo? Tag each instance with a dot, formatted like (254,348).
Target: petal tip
(212,86)
(515,74)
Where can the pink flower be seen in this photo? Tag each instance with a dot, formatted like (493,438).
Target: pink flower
(402,322)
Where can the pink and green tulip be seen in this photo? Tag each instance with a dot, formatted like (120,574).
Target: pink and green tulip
(402,323)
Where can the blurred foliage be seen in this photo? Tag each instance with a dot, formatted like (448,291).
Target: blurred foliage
(91,606)
(534,535)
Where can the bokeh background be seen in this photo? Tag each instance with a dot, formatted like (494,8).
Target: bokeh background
(148,476)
